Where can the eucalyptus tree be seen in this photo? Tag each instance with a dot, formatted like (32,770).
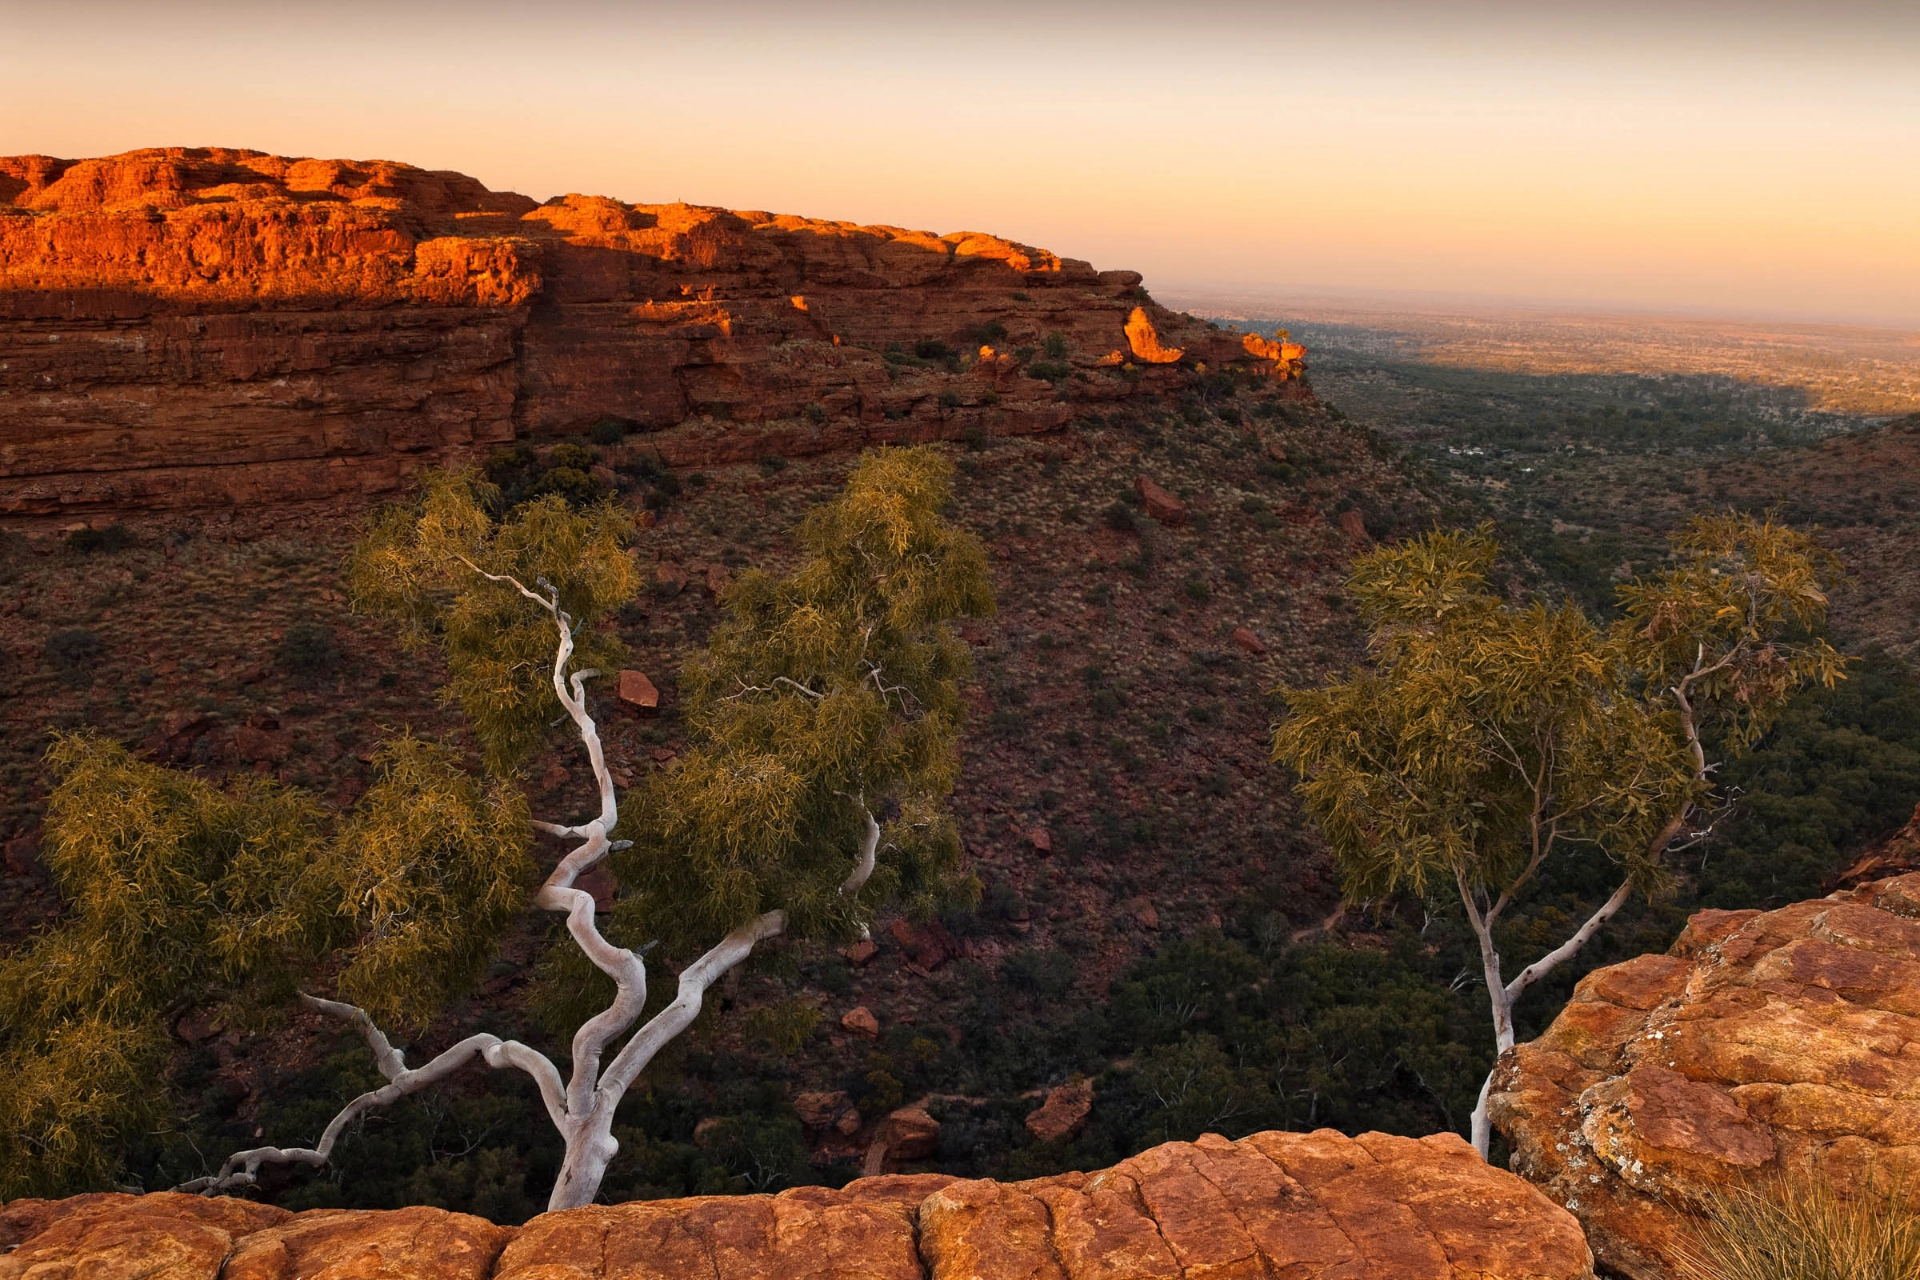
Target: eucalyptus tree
(823,722)
(1487,737)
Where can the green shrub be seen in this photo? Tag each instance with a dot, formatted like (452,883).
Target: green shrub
(1056,346)
(115,537)
(569,454)
(308,650)
(610,431)
(73,652)
(1119,516)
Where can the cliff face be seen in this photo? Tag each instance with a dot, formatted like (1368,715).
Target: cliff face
(1763,1041)
(189,326)
(1316,1204)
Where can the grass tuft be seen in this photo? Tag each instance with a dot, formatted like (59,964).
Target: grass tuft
(1800,1228)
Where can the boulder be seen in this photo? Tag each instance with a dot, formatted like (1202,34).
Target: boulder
(824,1110)
(1248,641)
(910,1134)
(638,691)
(927,946)
(1355,526)
(1884,858)
(669,580)
(809,1233)
(1160,504)
(23,856)
(165,1236)
(1287,357)
(861,1022)
(1762,1042)
(1273,1204)
(1063,1114)
(416,1243)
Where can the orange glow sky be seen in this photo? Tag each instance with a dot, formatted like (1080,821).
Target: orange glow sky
(1718,158)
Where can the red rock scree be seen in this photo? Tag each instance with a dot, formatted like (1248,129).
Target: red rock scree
(1273,1204)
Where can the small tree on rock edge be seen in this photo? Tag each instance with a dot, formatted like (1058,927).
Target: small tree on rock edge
(823,718)
(1487,737)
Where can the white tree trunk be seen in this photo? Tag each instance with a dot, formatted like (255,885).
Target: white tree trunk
(1501,996)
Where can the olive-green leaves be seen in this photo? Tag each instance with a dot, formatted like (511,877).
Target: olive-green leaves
(428,870)
(425,566)
(1484,731)
(822,695)
(183,894)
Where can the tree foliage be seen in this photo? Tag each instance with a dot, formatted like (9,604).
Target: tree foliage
(1482,729)
(179,893)
(439,567)
(824,695)
(182,894)
(1489,735)
(824,715)
(427,871)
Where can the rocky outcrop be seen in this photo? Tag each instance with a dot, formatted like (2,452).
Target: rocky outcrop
(1274,1204)
(182,326)
(1896,853)
(1764,1041)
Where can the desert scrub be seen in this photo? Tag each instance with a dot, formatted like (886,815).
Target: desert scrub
(73,652)
(1798,1227)
(308,651)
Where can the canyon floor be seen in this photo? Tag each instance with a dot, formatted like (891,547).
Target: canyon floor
(1136,849)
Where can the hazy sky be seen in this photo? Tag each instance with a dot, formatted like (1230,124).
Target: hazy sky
(1732,158)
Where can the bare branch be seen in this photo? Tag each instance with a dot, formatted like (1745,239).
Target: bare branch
(390,1061)
(869,847)
(242,1168)
(678,1016)
(1567,950)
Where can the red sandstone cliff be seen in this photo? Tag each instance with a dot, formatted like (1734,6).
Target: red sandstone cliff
(185,326)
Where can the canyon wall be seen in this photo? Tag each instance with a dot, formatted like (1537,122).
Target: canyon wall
(1272,1204)
(180,327)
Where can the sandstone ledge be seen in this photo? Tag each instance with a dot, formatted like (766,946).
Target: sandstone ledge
(1761,1042)
(1270,1205)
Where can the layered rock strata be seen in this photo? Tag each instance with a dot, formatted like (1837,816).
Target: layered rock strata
(1762,1042)
(184,326)
(1273,1204)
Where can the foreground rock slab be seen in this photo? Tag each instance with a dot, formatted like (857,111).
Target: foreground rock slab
(1764,1041)
(1274,1204)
